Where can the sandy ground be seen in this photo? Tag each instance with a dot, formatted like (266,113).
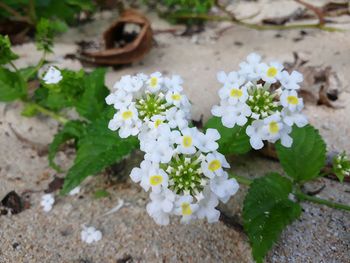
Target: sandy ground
(321,234)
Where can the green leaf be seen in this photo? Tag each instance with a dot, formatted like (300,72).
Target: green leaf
(29,110)
(101,193)
(232,141)
(12,86)
(307,155)
(6,54)
(98,149)
(92,103)
(27,73)
(71,130)
(267,211)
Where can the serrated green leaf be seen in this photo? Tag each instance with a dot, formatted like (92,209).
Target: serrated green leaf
(98,149)
(12,86)
(307,155)
(6,54)
(92,103)
(71,130)
(267,211)
(232,141)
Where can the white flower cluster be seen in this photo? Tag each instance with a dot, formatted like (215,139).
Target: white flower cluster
(264,98)
(144,102)
(181,169)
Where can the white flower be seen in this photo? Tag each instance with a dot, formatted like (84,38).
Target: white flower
(187,141)
(207,207)
(155,82)
(289,99)
(129,83)
(119,99)
(176,118)
(161,206)
(286,140)
(47,202)
(295,117)
(207,142)
(138,173)
(231,79)
(250,67)
(126,120)
(52,76)
(159,151)
(232,115)
(271,72)
(213,165)
(174,83)
(156,178)
(234,94)
(90,235)
(223,187)
(273,126)
(256,133)
(75,191)
(291,81)
(185,208)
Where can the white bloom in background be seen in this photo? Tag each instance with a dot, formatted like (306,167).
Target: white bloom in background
(47,202)
(289,99)
(155,82)
(223,187)
(129,83)
(230,79)
(291,81)
(185,207)
(174,83)
(52,76)
(214,164)
(295,117)
(271,72)
(75,191)
(90,235)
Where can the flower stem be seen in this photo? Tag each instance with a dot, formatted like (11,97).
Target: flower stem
(304,197)
(254,26)
(49,113)
(13,66)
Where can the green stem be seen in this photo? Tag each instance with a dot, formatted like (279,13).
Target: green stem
(49,113)
(254,26)
(31,11)
(13,66)
(304,197)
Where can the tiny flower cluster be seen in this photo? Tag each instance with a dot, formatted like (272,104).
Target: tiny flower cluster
(182,169)
(144,102)
(264,98)
(341,166)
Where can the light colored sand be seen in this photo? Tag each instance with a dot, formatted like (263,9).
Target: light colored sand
(320,236)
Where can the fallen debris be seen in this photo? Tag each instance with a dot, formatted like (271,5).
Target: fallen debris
(126,41)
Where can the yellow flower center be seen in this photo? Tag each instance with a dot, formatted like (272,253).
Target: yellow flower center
(155,180)
(214,165)
(292,100)
(274,128)
(186,209)
(153,82)
(127,115)
(176,96)
(187,141)
(271,72)
(236,93)
(157,123)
